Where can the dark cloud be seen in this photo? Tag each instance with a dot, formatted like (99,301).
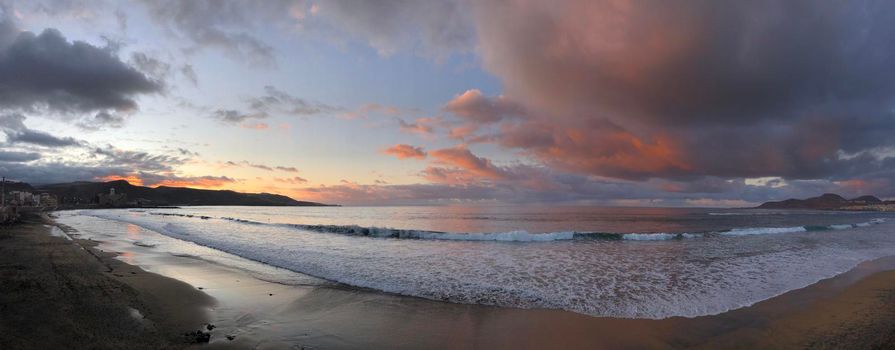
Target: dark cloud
(40,138)
(225,24)
(47,72)
(641,90)
(102,120)
(16,133)
(143,161)
(18,157)
(58,172)
(85,10)
(190,74)
(103,164)
(273,102)
(260,166)
(288,169)
(186,152)
(434,28)
(150,65)
(235,117)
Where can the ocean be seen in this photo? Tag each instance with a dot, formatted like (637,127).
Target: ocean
(614,262)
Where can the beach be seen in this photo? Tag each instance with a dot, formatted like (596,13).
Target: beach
(56,294)
(61,293)
(451,174)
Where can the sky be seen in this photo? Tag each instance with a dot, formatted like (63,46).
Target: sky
(416,102)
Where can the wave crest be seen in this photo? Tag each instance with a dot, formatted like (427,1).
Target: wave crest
(525,236)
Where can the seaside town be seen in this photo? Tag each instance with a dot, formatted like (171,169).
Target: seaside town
(447,174)
(14,202)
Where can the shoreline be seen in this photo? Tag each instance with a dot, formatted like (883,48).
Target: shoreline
(851,310)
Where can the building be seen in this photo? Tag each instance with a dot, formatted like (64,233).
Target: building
(20,198)
(29,199)
(48,200)
(111,199)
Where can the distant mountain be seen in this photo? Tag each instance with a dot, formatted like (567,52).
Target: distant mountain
(85,192)
(17,186)
(826,201)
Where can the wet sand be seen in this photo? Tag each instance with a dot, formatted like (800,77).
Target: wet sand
(854,310)
(56,295)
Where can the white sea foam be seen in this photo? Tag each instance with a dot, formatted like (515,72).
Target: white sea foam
(750,213)
(763,230)
(58,232)
(513,236)
(777,230)
(592,276)
(843,226)
(656,236)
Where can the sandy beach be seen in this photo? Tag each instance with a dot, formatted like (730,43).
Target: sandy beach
(56,294)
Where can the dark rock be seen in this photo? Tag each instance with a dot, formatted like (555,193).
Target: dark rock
(164,195)
(827,201)
(198,337)
(867,199)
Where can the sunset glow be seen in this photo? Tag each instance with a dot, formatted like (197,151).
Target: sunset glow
(617,103)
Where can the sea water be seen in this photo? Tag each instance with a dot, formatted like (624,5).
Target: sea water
(618,262)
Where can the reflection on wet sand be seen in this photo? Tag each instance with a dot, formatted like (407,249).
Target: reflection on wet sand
(254,312)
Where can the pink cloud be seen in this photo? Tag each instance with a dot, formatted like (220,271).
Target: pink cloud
(255,126)
(402,151)
(641,89)
(462,165)
(421,126)
(295,180)
(370,108)
(474,107)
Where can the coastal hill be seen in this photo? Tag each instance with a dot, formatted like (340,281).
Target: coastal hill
(84,192)
(830,201)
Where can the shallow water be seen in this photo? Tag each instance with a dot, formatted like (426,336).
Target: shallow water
(620,262)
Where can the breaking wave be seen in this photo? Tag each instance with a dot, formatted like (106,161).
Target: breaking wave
(525,236)
(702,273)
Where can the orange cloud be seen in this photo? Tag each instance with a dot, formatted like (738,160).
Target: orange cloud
(201,182)
(473,106)
(421,126)
(295,180)
(369,108)
(156,180)
(461,158)
(256,126)
(132,179)
(600,148)
(403,151)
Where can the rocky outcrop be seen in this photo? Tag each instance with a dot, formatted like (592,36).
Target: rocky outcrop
(827,201)
(86,192)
